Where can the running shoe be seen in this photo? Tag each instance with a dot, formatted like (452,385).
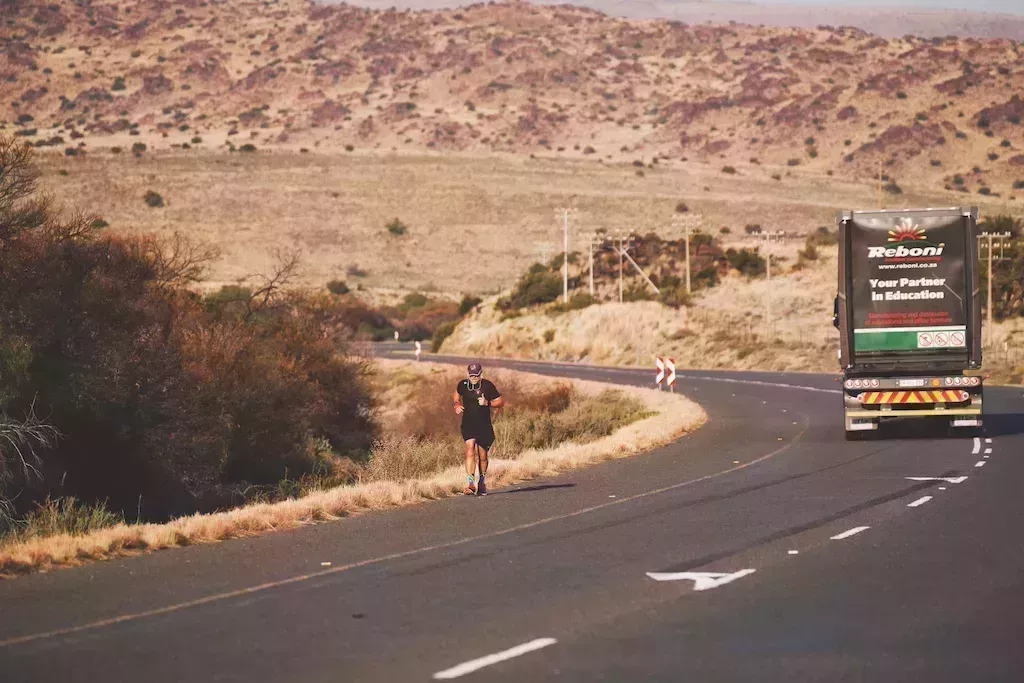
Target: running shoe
(469,490)
(481,489)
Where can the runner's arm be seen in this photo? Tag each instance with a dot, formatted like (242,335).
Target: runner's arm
(494,399)
(457,401)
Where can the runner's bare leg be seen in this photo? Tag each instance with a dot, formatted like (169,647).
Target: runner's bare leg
(471,458)
(483,460)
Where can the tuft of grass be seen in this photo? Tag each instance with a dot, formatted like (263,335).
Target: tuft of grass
(397,228)
(56,516)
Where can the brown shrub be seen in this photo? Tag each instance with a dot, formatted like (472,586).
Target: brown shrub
(167,401)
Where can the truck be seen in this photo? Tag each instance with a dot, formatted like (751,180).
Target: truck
(908,311)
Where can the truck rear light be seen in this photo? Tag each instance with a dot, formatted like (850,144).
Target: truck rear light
(957,381)
(848,384)
(949,381)
(875,382)
(975,381)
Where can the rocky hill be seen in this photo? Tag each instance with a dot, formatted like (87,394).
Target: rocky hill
(511,77)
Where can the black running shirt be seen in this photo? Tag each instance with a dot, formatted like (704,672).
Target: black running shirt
(476,415)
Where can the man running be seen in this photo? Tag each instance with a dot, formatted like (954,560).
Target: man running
(474,397)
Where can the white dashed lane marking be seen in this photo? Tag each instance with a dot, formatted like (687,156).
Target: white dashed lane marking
(851,532)
(479,663)
(919,501)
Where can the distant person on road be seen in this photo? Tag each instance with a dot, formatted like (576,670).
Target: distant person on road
(474,397)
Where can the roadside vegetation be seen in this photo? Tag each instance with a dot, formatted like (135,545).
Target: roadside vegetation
(548,427)
(119,384)
(127,399)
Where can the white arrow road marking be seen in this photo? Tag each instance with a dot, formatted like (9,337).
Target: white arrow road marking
(951,480)
(475,664)
(851,532)
(977,446)
(919,501)
(702,581)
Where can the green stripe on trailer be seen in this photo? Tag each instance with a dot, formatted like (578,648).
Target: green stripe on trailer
(912,339)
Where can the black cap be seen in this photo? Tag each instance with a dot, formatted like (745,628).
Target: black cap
(475,369)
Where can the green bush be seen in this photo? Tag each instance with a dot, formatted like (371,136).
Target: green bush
(675,296)
(1003,223)
(536,287)
(823,237)
(746,261)
(731,170)
(337,287)
(468,303)
(153,199)
(892,188)
(247,147)
(638,292)
(577,302)
(397,228)
(443,331)
(793,162)
(138,148)
(118,83)
(549,336)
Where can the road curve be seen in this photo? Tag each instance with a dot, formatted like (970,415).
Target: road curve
(763,547)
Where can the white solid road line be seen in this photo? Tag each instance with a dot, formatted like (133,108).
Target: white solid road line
(475,664)
(977,446)
(851,532)
(919,501)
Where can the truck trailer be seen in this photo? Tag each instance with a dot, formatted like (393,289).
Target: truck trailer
(909,316)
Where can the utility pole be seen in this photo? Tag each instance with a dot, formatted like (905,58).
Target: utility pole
(768,236)
(591,251)
(686,222)
(565,211)
(565,256)
(991,236)
(620,268)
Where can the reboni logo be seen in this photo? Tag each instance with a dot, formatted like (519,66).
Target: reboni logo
(905,231)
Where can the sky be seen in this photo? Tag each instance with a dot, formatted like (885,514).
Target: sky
(1004,6)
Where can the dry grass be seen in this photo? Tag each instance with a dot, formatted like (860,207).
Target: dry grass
(466,209)
(726,328)
(674,416)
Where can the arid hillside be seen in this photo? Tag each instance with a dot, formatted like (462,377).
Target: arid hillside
(888,22)
(511,77)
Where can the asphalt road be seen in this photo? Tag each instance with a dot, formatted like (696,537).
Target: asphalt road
(816,559)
